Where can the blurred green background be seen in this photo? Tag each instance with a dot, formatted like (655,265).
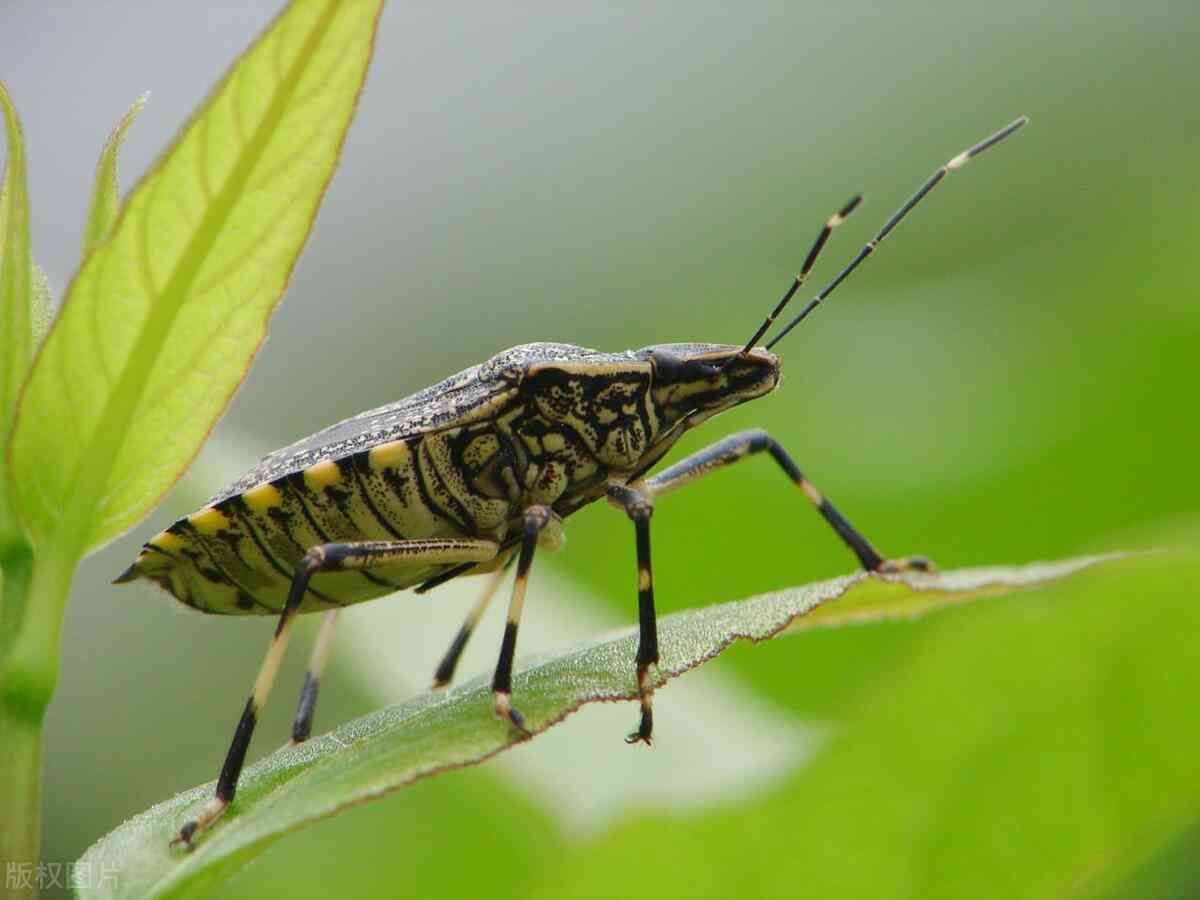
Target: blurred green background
(1013,376)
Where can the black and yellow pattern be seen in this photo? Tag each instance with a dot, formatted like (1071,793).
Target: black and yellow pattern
(540,424)
(473,473)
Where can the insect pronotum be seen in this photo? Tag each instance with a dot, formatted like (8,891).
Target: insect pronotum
(472,474)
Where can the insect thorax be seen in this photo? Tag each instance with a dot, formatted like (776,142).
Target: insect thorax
(557,442)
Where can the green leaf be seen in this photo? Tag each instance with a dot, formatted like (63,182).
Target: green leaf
(16,316)
(433,733)
(41,306)
(163,319)
(106,191)
(1044,749)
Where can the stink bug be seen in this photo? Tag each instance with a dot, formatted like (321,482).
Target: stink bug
(472,474)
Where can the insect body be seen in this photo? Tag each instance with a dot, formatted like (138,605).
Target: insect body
(469,475)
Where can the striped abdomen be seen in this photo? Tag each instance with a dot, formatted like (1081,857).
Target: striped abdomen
(237,556)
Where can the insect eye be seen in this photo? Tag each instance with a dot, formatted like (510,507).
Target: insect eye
(670,368)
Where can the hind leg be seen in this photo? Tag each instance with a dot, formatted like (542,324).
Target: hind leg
(324,558)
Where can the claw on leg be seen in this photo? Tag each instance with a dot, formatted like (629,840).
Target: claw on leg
(209,813)
(906,564)
(645,729)
(503,708)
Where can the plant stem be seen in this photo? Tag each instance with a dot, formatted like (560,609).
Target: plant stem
(35,599)
(20,793)
(16,566)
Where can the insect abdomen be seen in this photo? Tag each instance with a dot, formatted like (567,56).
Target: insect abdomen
(237,557)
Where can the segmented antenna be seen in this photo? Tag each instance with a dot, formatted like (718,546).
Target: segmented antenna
(818,245)
(956,163)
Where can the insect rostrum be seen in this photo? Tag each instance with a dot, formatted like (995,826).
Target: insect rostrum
(470,475)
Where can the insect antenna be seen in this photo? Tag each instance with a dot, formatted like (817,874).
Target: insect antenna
(809,261)
(956,163)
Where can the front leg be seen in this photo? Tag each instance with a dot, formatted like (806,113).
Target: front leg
(639,507)
(737,447)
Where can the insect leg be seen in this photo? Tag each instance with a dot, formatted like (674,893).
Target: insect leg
(737,447)
(322,558)
(445,669)
(639,506)
(302,724)
(537,520)
(231,769)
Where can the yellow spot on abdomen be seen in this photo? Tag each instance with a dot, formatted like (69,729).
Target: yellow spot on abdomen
(263,497)
(322,475)
(167,542)
(392,455)
(209,520)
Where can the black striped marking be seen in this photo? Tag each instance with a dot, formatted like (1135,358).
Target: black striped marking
(299,492)
(502,680)
(445,669)
(356,465)
(227,782)
(302,726)
(461,517)
(197,539)
(237,506)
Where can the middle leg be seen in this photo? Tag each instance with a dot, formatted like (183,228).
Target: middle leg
(307,705)
(541,524)
(445,670)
